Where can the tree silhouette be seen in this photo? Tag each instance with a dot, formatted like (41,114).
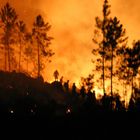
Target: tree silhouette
(40,29)
(21,28)
(100,32)
(133,61)
(8,18)
(115,37)
(112,34)
(28,51)
(122,71)
(129,66)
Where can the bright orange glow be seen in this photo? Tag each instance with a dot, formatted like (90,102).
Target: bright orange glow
(72,28)
(98,92)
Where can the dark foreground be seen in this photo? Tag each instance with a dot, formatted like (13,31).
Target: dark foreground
(73,126)
(32,108)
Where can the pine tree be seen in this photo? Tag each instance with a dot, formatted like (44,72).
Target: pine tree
(101,31)
(129,65)
(28,50)
(133,61)
(115,37)
(40,29)
(21,28)
(8,18)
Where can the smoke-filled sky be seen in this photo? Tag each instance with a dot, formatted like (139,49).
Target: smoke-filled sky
(73,23)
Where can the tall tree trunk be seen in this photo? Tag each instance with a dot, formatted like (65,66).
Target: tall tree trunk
(104,45)
(112,72)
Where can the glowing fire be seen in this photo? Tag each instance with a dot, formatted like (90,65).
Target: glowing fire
(98,92)
(72,33)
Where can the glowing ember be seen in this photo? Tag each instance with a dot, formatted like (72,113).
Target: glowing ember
(11,111)
(68,111)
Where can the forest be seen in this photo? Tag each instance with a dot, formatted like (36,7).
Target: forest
(26,51)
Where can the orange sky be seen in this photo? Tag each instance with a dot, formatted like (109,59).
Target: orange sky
(72,28)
